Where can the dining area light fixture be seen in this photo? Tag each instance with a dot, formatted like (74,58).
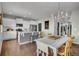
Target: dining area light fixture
(62,14)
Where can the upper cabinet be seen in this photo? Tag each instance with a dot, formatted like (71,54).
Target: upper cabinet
(9,22)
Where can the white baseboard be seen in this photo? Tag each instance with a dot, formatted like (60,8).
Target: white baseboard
(24,42)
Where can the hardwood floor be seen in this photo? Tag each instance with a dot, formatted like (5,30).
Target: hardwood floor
(75,50)
(30,49)
(10,48)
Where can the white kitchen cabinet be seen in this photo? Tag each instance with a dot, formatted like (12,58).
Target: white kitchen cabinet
(9,22)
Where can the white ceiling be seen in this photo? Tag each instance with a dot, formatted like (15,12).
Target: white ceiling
(37,10)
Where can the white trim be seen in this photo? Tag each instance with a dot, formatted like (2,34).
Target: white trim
(19,37)
(24,42)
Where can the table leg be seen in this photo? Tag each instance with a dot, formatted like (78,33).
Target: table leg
(55,51)
(37,52)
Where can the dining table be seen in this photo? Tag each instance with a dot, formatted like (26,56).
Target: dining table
(54,44)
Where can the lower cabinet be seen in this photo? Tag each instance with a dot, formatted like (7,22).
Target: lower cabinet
(27,37)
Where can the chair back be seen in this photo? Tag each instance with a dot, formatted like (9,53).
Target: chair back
(68,46)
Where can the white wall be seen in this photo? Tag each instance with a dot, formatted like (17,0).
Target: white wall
(75,25)
(51,25)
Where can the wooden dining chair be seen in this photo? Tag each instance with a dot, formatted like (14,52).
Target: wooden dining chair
(66,49)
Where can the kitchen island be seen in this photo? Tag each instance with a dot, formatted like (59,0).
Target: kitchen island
(27,37)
